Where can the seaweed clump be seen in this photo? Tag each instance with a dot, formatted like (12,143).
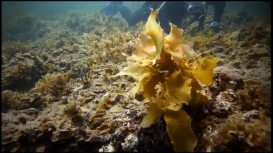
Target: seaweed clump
(71,110)
(239,134)
(170,74)
(10,48)
(254,34)
(53,84)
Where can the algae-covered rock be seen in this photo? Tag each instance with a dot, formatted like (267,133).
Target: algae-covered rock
(18,101)
(22,69)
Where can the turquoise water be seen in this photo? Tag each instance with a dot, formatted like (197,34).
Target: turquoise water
(54,9)
(18,16)
(257,9)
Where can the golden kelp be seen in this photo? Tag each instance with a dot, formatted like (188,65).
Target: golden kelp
(154,30)
(169,74)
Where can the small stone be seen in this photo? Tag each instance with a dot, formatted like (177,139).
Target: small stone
(64,100)
(250,114)
(131,142)
(107,148)
(40,149)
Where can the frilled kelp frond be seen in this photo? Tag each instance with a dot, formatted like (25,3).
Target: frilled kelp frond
(179,130)
(170,74)
(204,70)
(154,30)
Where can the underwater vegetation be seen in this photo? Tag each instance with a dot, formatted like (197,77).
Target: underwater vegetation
(95,84)
(241,129)
(53,84)
(169,74)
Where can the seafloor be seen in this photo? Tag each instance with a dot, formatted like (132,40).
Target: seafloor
(59,93)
